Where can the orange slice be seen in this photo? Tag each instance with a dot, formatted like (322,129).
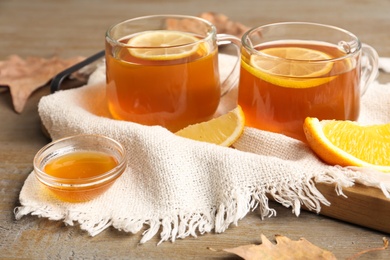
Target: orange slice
(347,143)
(163,45)
(291,67)
(223,130)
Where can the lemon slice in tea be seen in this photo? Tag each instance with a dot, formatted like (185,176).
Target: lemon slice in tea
(223,130)
(294,69)
(163,45)
(347,143)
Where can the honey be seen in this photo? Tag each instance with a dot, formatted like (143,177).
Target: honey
(76,171)
(80,165)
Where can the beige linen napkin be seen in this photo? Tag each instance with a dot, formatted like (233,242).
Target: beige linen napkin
(180,187)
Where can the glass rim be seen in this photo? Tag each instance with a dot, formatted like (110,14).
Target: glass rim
(249,48)
(76,183)
(116,42)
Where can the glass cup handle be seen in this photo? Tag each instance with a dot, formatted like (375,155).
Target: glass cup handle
(369,67)
(232,79)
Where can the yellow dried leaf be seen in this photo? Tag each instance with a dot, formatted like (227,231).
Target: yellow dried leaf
(224,24)
(221,22)
(284,248)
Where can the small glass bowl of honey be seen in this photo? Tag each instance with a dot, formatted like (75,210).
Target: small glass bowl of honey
(80,168)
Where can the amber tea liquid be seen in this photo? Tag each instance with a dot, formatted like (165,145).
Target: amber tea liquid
(170,93)
(282,109)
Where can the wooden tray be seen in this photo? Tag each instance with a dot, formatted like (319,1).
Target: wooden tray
(364,206)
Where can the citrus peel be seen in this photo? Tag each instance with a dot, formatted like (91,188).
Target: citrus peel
(348,143)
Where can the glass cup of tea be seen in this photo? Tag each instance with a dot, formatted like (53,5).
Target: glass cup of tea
(163,70)
(290,71)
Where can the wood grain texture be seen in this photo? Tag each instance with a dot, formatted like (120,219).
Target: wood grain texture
(72,28)
(362,205)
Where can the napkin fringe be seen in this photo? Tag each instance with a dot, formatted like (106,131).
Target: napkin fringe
(238,206)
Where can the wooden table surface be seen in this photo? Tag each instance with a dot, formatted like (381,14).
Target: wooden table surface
(76,27)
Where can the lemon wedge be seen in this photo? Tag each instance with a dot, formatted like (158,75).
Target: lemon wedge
(163,45)
(223,130)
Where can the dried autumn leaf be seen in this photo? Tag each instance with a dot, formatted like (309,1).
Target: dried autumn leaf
(24,76)
(224,24)
(284,248)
